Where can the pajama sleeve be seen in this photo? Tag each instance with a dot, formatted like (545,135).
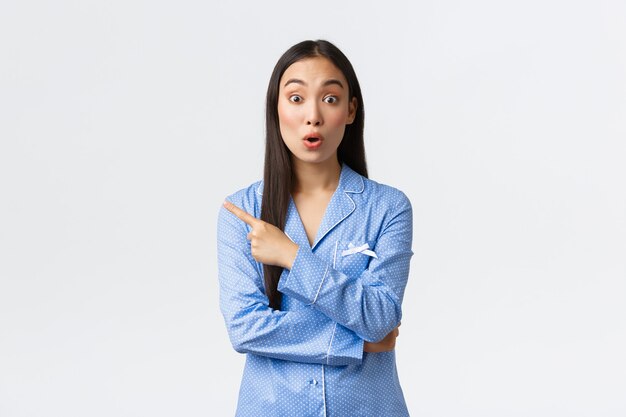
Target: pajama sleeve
(368,304)
(304,335)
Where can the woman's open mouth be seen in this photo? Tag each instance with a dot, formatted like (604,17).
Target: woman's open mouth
(313,141)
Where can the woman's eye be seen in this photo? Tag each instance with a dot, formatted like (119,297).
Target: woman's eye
(295,99)
(330,99)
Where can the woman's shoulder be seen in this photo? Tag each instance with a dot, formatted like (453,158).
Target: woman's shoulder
(380,193)
(248,198)
(371,191)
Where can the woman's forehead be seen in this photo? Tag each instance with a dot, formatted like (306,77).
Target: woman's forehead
(313,70)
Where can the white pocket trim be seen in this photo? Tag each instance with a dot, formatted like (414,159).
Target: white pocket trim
(364,249)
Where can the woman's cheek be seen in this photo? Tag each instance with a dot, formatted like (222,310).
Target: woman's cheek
(285,121)
(337,118)
(288,118)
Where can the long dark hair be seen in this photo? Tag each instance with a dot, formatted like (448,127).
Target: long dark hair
(278,178)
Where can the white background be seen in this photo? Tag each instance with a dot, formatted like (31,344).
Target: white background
(124,124)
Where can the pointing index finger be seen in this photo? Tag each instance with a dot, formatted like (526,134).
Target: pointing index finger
(241,214)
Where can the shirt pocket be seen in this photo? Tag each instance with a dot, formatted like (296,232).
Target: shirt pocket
(352,257)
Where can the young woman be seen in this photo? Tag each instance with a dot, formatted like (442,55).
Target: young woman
(314,259)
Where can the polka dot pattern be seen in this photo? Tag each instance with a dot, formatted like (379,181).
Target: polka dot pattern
(307,359)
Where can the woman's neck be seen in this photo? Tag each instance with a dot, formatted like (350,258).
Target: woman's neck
(316,177)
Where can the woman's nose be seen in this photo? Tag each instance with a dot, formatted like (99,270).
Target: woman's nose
(315,117)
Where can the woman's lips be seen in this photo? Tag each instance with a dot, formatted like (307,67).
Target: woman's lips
(313,141)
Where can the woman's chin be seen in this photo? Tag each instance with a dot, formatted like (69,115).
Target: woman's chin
(312,157)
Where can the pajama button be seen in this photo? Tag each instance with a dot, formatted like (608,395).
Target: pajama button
(314,382)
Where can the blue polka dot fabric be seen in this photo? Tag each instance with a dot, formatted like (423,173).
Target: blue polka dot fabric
(307,358)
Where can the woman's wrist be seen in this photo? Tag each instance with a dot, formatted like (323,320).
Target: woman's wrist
(290,255)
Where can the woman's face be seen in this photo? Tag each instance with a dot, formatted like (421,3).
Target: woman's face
(314,109)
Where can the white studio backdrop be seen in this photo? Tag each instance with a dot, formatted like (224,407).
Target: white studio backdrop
(123,125)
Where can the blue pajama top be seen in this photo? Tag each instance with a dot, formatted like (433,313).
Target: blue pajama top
(307,359)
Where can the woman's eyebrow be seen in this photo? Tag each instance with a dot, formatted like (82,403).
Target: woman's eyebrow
(332,81)
(326,83)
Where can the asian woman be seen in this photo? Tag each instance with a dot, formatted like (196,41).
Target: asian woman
(314,259)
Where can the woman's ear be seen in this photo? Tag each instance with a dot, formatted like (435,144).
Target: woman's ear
(352,110)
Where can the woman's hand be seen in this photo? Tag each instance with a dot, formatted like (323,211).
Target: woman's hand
(268,243)
(385,345)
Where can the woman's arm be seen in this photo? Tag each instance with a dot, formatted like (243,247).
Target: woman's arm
(304,335)
(370,304)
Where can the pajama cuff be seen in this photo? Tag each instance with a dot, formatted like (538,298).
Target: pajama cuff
(305,279)
(346,348)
